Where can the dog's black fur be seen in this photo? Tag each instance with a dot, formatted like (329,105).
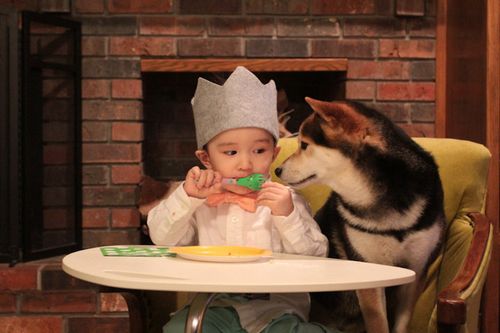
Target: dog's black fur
(397,169)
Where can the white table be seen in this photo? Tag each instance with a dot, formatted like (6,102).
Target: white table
(281,273)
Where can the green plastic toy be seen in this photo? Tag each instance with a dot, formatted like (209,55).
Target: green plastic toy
(253,182)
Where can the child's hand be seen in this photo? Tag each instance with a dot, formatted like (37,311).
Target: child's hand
(201,183)
(277,197)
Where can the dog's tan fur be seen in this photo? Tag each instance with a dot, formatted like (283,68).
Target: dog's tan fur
(386,204)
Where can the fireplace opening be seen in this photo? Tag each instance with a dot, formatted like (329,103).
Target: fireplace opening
(169,140)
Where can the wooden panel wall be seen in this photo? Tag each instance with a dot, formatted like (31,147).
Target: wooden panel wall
(468,102)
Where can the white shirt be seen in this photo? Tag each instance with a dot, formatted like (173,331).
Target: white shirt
(184,220)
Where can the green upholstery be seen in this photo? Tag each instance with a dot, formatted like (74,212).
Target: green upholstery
(463,168)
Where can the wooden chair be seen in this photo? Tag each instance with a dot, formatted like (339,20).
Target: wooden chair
(451,301)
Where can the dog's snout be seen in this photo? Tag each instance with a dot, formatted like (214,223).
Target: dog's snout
(278,171)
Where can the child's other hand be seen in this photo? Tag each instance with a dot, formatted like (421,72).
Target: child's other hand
(277,197)
(201,183)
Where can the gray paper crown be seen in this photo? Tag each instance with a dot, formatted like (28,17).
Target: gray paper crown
(243,101)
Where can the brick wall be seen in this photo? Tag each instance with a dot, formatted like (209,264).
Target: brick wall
(391,66)
(39,297)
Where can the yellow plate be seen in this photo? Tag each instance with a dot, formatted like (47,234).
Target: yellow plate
(221,253)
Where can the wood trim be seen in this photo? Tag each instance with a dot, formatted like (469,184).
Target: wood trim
(451,308)
(491,320)
(256,65)
(441,69)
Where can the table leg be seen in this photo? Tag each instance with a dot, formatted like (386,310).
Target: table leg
(197,309)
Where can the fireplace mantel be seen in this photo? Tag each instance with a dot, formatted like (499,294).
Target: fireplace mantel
(255,65)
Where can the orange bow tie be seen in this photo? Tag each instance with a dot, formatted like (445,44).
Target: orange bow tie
(245,201)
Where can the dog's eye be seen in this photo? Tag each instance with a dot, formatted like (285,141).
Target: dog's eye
(303,145)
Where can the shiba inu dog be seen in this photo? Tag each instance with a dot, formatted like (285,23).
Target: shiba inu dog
(386,206)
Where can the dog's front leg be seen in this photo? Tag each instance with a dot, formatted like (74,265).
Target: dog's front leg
(373,308)
(406,299)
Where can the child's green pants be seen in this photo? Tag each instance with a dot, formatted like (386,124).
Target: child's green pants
(225,320)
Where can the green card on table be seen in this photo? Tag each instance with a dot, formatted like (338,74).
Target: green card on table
(136,251)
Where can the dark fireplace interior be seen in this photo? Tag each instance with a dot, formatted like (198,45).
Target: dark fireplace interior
(169,139)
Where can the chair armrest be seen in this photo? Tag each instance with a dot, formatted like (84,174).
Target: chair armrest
(451,308)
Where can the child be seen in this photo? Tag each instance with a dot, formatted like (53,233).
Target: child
(236,132)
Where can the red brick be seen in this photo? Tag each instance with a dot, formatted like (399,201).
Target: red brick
(106,196)
(94,131)
(56,88)
(113,302)
(57,175)
(390,48)
(178,25)
(346,48)
(360,90)
(351,7)
(236,26)
(143,6)
(31,324)
(95,174)
(112,110)
(387,70)
(110,68)
(288,7)
(8,303)
(226,26)
(289,27)
(127,132)
(53,196)
(422,112)
(125,218)
(406,91)
(56,218)
(95,217)
(126,88)
(373,27)
(93,46)
(410,8)
(126,174)
(56,132)
(21,4)
(57,154)
(148,46)
(98,324)
(397,112)
(419,130)
(220,47)
(58,302)
(210,7)
(21,277)
(259,26)
(111,153)
(86,6)
(95,89)
(93,238)
(422,27)
(277,48)
(423,70)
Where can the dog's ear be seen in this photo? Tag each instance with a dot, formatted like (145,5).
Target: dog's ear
(338,114)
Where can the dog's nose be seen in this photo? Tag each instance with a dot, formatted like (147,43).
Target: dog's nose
(278,171)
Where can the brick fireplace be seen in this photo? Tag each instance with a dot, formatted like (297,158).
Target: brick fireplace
(132,51)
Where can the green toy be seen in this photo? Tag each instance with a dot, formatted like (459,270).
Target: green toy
(253,182)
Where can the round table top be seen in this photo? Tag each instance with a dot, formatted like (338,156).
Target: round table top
(279,273)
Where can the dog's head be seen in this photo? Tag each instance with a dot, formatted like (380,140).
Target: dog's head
(331,140)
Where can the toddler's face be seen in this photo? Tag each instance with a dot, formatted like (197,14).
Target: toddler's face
(240,152)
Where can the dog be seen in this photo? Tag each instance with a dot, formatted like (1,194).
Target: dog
(386,206)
